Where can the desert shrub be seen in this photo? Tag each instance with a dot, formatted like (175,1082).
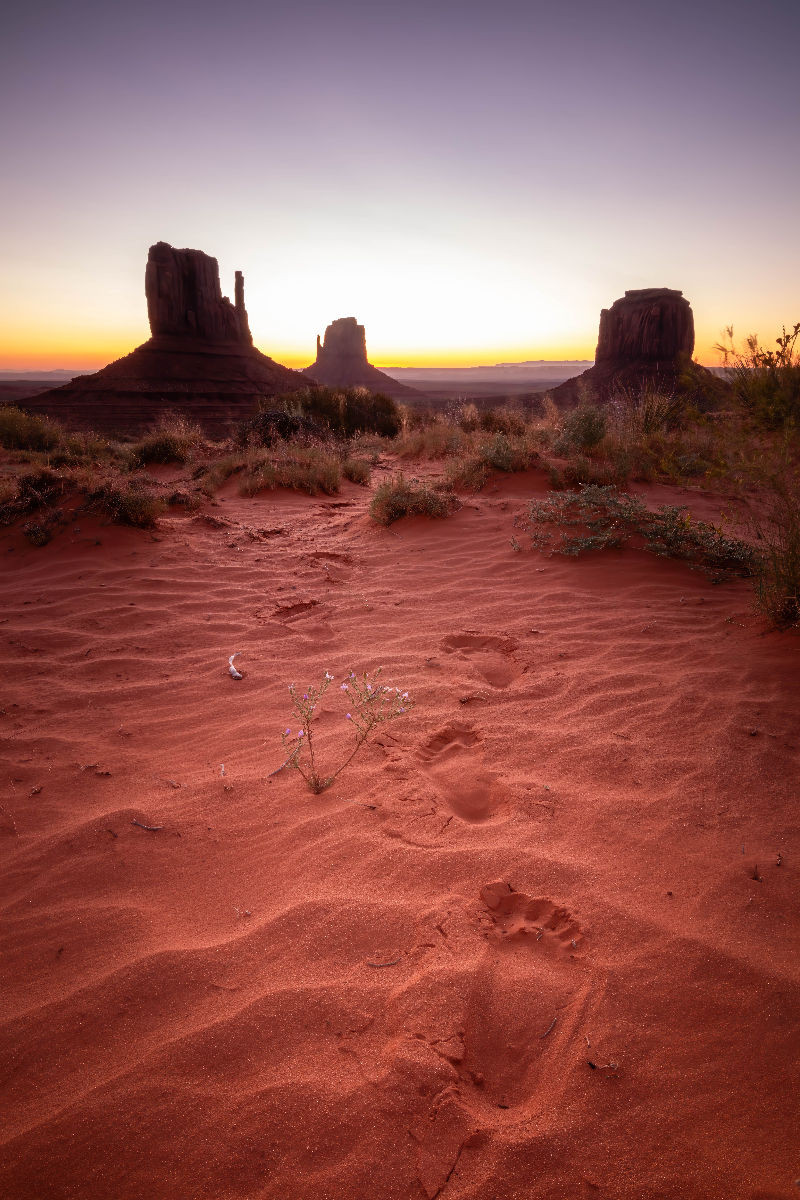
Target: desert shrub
(211,476)
(632,416)
(469,472)
(499,453)
(551,413)
(581,471)
(399,497)
(468,418)
(173,440)
(502,420)
(80,449)
(357,470)
(582,429)
(302,468)
(766,383)
(777,530)
(125,501)
(191,500)
(345,412)
(21,430)
(437,440)
(502,453)
(606,517)
(41,531)
(413,417)
(30,492)
(272,425)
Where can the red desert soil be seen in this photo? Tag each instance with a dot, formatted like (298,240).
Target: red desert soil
(540,940)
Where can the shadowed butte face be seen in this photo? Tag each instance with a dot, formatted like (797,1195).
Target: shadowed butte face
(475,182)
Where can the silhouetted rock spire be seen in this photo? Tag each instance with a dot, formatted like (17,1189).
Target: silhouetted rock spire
(184,298)
(200,361)
(342,361)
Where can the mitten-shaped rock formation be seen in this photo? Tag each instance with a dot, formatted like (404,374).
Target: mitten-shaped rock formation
(184,298)
(200,361)
(342,362)
(646,340)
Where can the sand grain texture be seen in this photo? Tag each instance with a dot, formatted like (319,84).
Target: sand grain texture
(517,950)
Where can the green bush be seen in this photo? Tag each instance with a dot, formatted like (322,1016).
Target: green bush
(400,497)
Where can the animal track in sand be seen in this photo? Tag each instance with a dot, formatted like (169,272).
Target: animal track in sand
(489,654)
(472,792)
(518,916)
(527,1000)
(286,612)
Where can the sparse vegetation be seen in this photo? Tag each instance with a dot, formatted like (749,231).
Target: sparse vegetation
(304,468)
(357,470)
(583,428)
(343,412)
(21,430)
(30,492)
(130,501)
(173,440)
(370,704)
(601,518)
(502,452)
(399,497)
(777,531)
(766,382)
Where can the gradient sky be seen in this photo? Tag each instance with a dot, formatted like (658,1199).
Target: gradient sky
(473,182)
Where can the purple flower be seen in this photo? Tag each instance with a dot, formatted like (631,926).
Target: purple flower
(288,733)
(349,717)
(300,734)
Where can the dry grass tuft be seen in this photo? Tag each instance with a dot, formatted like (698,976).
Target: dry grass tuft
(400,497)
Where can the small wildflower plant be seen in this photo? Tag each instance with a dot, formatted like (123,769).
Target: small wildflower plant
(369,704)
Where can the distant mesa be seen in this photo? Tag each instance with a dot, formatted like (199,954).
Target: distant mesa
(645,338)
(200,361)
(342,362)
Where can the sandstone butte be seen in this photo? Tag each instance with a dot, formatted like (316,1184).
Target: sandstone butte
(342,362)
(646,339)
(200,360)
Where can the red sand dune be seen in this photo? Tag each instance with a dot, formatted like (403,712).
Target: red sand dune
(518,949)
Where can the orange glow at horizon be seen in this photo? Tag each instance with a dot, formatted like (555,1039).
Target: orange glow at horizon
(84,355)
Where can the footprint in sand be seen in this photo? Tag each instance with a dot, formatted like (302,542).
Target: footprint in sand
(490,655)
(529,999)
(452,760)
(519,917)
